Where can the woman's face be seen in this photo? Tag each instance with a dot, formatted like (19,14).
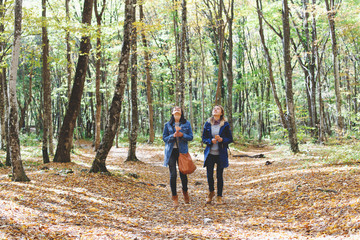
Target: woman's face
(217,111)
(176,111)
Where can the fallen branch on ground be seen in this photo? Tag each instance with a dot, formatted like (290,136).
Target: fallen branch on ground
(254,156)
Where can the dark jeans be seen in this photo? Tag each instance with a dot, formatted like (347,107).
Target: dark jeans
(210,164)
(173,175)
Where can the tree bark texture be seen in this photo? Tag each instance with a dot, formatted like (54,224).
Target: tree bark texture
(288,78)
(18,173)
(46,86)
(134,105)
(148,78)
(331,12)
(113,120)
(67,129)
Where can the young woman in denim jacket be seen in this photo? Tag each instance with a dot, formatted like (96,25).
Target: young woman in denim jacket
(178,129)
(216,135)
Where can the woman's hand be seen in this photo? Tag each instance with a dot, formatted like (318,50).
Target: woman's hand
(218,138)
(214,141)
(178,134)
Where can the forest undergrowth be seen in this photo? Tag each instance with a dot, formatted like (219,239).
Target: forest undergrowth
(311,195)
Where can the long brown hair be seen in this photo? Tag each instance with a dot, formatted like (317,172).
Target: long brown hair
(222,117)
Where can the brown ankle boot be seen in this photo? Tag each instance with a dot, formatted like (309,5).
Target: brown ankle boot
(219,200)
(175,201)
(210,197)
(186,197)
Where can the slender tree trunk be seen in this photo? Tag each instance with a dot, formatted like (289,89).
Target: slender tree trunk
(98,73)
(134,106)
(355,88)
(46,85)
(220,29)
(288,77)
(348,97)
(331,12)
(2,82)
(230,75)
(67,129)
(7,118)
(177,49)
(112,125)
(51,135)
(189,69)
(202,70)
(321,113)
(181,90)
(2,108)
(312,67)
(269,65)
(68,51)
(18,173)
(148,78)
(27,101)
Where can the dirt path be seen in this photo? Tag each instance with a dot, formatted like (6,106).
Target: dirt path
(282,200)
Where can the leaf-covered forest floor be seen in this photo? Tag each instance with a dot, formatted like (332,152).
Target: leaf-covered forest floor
(303,196)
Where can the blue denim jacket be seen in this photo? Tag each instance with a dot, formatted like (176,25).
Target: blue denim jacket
(226,135)
(168,138)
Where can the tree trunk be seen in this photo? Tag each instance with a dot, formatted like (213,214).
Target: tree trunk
(98,73)
(18,173)
(331,12)
(189,70)
(148,78)
(27,101)
(312,67)
(220,29)
(2,83)
(134,106)
(46,85)
(230,75)
(269,65)
(68,51)
(321,113)
(2,108)
(288,78)
(7,117)
(112,125)
(67,129)
(181,90)
(202,70)
(176,33)
(355,88)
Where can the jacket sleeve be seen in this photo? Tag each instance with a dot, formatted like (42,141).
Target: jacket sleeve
(206,137)
(167,136)
(227,136)
(187,134)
